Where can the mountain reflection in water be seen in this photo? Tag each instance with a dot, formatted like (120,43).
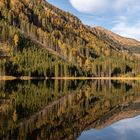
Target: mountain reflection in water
(128,129)
(69,109)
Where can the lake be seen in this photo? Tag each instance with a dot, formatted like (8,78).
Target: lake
(69,110)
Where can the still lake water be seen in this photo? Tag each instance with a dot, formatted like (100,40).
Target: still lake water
(69,110)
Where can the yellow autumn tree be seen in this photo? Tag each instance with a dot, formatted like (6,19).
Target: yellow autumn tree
(16,41)
(88,64)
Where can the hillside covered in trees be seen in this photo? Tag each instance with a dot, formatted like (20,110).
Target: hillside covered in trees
(38,39)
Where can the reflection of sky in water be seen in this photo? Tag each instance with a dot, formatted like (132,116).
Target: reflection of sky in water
(128,129)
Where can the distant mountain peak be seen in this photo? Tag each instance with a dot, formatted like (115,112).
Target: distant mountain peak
(111,37)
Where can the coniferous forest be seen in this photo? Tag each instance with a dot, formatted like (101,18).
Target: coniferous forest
(39,40)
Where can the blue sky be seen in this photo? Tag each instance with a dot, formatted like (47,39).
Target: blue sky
(120,16)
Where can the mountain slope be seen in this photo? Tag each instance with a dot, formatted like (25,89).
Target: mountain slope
(42,40)
(126,43)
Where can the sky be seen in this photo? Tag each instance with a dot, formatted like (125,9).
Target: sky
(119,16)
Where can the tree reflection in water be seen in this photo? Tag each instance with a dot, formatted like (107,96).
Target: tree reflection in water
(62,109)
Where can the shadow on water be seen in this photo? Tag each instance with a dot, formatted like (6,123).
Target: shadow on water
(62,109)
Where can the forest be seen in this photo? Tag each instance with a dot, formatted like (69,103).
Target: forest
(39,40)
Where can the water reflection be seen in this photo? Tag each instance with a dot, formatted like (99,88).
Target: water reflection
(128,129)
(62,109)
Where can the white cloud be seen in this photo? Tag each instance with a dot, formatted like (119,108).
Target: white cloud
(126,127)
(126,30)
(129,6)
(89,6)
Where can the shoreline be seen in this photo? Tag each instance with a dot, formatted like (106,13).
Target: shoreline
(4,78)
(97,78)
